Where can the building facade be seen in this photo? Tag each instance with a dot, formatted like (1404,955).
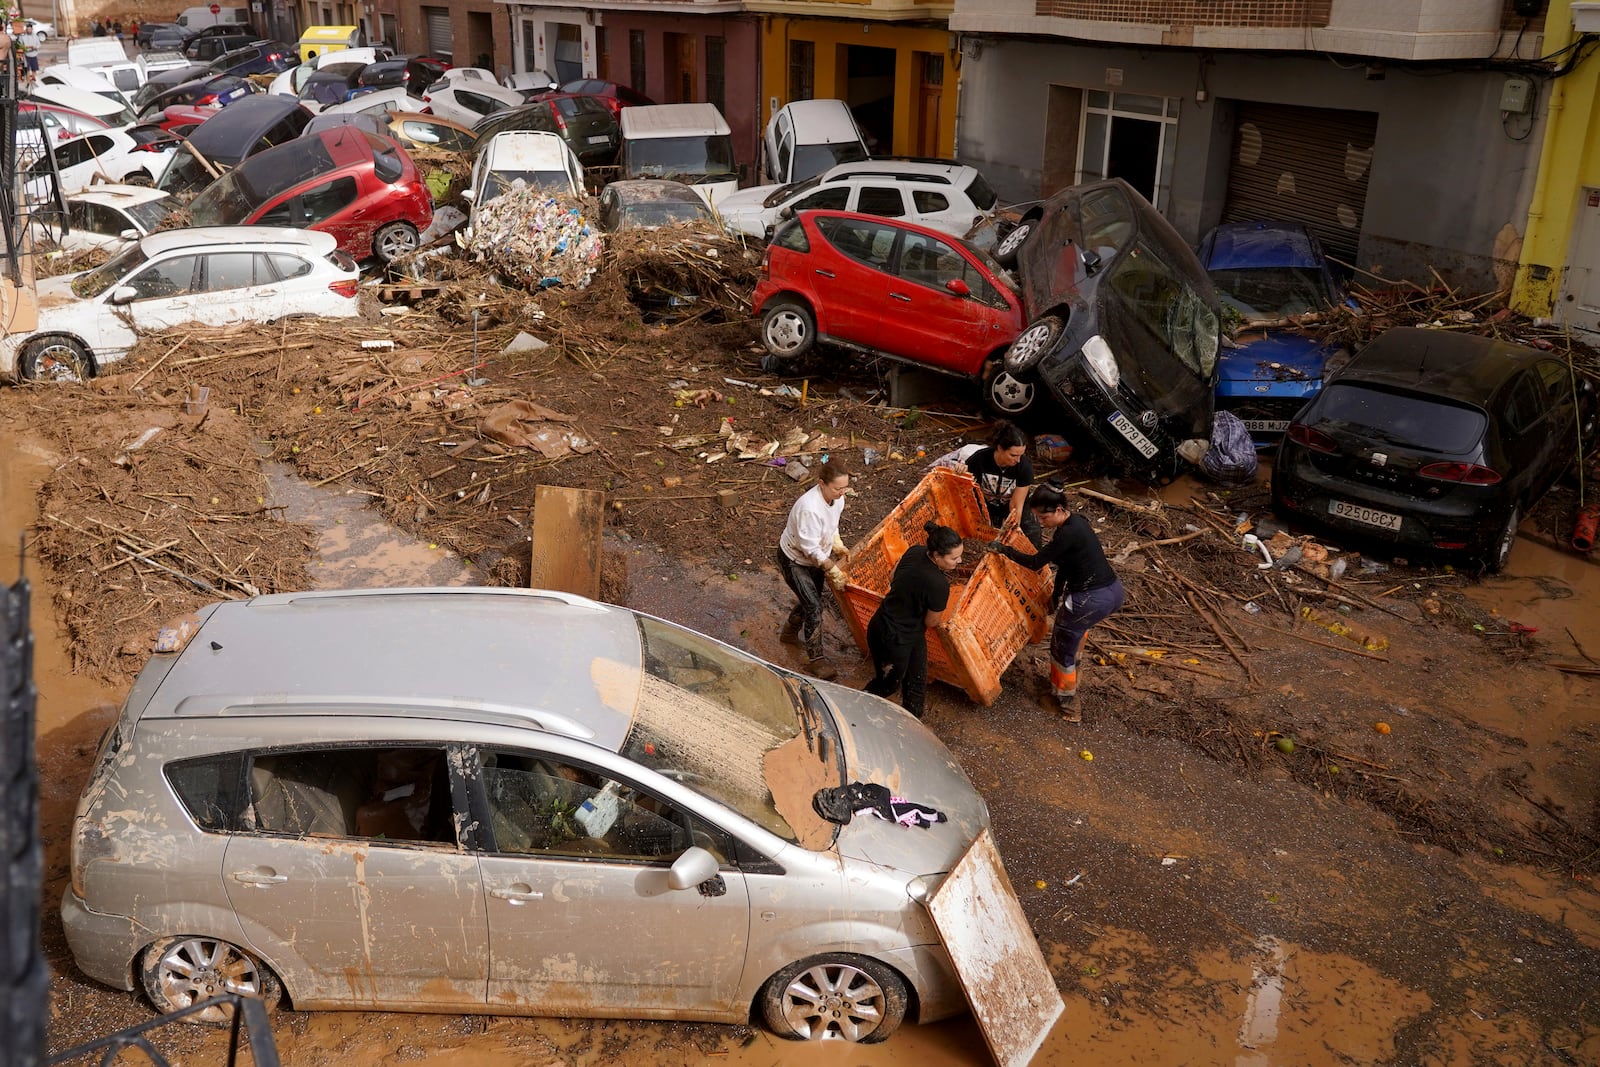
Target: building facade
(1404,132)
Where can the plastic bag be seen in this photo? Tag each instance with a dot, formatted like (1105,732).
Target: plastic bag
(1231,459)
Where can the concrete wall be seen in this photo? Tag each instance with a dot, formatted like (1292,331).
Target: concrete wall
(1447,175)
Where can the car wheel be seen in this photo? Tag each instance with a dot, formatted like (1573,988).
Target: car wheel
(393,241)
(788,329)
(56,359)
(1033,344)
(834,996)
(1499,552)
(1005,253)
(179,972)
(1010,395)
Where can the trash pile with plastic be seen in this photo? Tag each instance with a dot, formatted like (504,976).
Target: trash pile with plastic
(536,239)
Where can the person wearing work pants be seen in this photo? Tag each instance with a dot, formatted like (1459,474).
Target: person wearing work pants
(806,549)
(918,595)
(1087,590)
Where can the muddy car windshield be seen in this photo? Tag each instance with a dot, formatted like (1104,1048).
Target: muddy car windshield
(681,158)
(1271,293)
(707,717)
(816,158)
(93,283)
(1157,296)
(500,182)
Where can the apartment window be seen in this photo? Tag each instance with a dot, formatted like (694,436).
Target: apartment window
(802,70)
(1132,137)
(530,45)
(602,55)
(636,69)
(716,59)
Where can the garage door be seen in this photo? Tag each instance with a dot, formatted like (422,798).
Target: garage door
(1302,164)
(438,22)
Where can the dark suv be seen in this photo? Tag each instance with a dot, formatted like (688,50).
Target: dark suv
(202,49)
(586,123)
(261,57)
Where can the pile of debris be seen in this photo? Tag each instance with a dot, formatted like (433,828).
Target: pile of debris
(684,267)
(536,239)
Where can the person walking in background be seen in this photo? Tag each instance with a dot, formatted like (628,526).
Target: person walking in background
(95,29)
(806,553)
(919,594)
(1086,589)
(1003,473)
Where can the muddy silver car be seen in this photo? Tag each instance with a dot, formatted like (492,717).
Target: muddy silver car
(515,802)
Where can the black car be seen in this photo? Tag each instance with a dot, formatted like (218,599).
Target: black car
(242,129)
(147,30)
(384,74)
(585,122)
(208,90)
(262,57)
(1123,322)
(168,39)
(162,80)
(200,49)
(1432,441)
(331,84)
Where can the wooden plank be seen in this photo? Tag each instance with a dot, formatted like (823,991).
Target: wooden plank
(1008,984)
(566,540)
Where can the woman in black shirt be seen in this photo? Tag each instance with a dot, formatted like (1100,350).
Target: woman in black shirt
(1003,473)
(918,594)
(1086,588)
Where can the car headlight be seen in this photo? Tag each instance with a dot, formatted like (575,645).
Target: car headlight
(921,888)
(1101,360)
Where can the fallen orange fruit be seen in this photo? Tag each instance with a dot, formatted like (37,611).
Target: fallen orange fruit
(1381,727)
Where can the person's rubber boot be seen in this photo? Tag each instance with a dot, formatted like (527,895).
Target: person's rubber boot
(790,635)
(1064,688)
(819,666)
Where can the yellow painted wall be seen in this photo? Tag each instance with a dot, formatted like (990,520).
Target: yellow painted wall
(829,78)
(1569,160)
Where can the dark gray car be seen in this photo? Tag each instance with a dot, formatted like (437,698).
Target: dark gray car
(247,126)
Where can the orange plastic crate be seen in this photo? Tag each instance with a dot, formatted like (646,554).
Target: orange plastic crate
(1002,608)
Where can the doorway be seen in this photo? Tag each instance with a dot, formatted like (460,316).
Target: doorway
(869,92)
(1063,117)
(480,39)
(930,101)
(680,61)
(1129,136)
(1579,306)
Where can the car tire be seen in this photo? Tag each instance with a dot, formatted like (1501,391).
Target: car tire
(788,329)
(834,996)
(1499,550)
(178,972)
(393,241)
(1010,246)
(1033,344)
(1010,396)
(56,359)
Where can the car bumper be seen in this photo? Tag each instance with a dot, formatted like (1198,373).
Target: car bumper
(1124,430)
(102,945)
(1456,523)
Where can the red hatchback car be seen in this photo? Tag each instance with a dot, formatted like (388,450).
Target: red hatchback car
(891,288)
(359,187)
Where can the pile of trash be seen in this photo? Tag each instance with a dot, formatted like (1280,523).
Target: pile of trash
(685,268)
(536,239)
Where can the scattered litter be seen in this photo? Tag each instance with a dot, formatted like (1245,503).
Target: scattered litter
(523,424)
(377,344)
(524,342)
(536,239)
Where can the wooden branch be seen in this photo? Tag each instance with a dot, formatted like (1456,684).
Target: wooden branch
(1323,644)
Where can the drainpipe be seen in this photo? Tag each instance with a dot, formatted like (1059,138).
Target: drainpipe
(1538,278)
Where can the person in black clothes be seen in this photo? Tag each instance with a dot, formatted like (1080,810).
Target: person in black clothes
(918,594)
(1003,473)
(1086,588)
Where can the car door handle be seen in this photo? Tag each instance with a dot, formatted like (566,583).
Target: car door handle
(824,273)
(900,296)
(517,894)
(259,878)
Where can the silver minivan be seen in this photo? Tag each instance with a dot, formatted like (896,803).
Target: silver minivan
(515,802)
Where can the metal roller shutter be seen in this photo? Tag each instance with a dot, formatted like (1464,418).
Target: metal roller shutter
(439,37)
(1302,164)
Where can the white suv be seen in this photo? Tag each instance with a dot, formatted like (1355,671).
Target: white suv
(940,194)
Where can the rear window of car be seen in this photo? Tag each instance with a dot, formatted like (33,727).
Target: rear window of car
(1409,419)
(983,198)
(792,235)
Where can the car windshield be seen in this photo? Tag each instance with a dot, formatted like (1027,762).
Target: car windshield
(816,158)
(1160,299)
(784,192)
(1263,293)
(708,715)
(150,213)
(685,159)
(1407,419)
(94,282)
(646,216)
(501,182)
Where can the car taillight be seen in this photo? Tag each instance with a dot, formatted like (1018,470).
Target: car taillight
(347,289)
(1466,473)
(561,123)
(209,100)
(274,57)
(426,99)
(1315,440)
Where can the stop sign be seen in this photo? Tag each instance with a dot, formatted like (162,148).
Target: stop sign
(215,8)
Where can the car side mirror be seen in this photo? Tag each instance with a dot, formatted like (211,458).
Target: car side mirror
(958,287)
(123,294)
(129,235)
(469,195)
(696,865)
(786,212)
(1091,263)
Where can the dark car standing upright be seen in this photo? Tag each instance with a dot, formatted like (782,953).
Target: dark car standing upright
(1123,321)
(252,125)
(1435,442)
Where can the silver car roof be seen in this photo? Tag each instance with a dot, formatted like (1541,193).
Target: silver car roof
(533,658)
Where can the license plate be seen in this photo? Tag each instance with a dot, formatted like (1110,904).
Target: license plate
(1370,516)
(1266,425)
(602,139)
(1146,447)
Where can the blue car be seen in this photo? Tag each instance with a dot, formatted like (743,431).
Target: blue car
(1268,272)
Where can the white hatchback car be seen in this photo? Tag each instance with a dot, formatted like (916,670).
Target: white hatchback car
(944,196)
(538,159)
(113,216)
(210,275)
(134,156)
(463,95)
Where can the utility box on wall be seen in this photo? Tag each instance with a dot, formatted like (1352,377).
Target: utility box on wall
(1516,96)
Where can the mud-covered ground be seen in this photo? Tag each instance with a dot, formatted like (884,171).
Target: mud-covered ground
(1421,895)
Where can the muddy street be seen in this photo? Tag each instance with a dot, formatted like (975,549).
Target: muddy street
(1200,896)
